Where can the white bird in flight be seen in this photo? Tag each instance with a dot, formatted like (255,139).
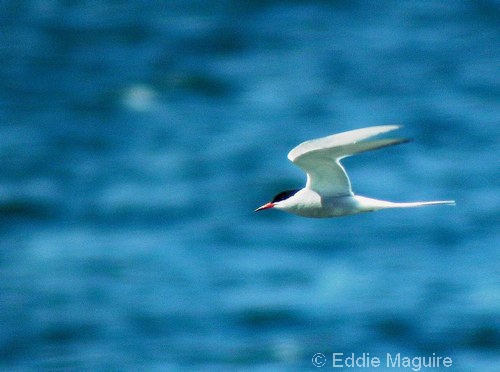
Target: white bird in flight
(328,190)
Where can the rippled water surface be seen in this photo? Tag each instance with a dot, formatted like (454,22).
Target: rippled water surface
(136,139)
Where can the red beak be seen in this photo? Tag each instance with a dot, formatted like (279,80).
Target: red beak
(265,206)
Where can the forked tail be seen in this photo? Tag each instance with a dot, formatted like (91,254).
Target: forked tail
(420,204)
(369,204)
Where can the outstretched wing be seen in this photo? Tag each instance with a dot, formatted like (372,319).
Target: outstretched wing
(320,158)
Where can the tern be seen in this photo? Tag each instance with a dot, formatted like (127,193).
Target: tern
(328,191)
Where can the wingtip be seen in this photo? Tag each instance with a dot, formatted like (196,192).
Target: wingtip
(379,129)
(390,127)
(406,140)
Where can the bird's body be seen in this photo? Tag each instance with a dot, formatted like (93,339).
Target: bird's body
(328,190)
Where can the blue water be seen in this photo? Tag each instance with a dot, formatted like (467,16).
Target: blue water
(136,138)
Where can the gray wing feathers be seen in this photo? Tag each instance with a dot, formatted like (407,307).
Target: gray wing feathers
(320,158)
(356,148)
(336,140)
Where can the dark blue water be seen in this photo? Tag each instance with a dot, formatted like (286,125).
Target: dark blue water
(136,138)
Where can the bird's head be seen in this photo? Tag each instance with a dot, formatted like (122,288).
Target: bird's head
(279,200)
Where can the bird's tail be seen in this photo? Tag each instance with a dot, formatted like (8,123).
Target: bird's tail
(368,204)
(420,204)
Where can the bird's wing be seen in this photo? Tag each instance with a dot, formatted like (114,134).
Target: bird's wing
(320,158)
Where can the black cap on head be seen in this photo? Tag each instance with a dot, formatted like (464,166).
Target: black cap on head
(284,195)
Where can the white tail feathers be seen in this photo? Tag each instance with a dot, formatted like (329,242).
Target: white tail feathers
(369,204)
(421,204)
